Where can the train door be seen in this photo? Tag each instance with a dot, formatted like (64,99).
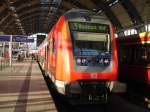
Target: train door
(53,53)
(46,57)
(49,53)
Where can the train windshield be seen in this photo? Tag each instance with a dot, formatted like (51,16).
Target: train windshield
(91,44)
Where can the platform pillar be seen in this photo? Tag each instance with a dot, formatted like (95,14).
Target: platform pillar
(10,51)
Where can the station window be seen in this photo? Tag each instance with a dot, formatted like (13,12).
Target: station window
(130,32)
(116,35)
(120,34)
(126,32)
(147,27)
(133,31)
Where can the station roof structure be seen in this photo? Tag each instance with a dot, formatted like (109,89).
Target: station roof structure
(27,17)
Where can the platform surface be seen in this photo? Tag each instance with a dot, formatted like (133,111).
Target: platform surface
(23,89)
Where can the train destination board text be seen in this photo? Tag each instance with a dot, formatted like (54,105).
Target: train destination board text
(89,27)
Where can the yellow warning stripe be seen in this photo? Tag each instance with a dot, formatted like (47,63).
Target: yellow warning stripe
(147,100)
(144,34)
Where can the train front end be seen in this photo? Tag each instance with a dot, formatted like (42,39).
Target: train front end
(92,60)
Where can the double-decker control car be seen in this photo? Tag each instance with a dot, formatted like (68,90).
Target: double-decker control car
(81,56)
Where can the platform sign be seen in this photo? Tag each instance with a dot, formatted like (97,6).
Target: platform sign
(16,38)
(4,38)
(19,38)
(30,40)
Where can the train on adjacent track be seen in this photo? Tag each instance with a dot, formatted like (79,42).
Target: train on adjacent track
(134,58)
(80,56)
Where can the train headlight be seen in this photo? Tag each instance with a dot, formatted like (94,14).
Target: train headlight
(101,61)
(84,61)
(78,60)
(106,61)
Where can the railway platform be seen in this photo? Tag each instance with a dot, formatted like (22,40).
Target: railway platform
(23,89)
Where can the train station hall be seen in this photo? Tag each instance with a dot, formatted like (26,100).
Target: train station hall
(74,55)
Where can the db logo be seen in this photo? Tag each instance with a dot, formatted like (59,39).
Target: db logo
(94,75)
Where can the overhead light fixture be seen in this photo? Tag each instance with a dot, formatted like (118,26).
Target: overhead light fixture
(12,8)
(29,5)
(15,15)
(11,2)
(18,20)
(94,9)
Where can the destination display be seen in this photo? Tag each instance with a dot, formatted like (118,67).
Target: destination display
(89,27)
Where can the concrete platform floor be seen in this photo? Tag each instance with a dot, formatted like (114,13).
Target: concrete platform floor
(23,89)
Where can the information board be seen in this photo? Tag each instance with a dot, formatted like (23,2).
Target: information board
(4,38)
(16,38)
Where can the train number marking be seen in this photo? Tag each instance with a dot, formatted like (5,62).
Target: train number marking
(94,75)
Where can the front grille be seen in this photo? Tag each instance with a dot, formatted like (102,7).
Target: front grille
(93,87)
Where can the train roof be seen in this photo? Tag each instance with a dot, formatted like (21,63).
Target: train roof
(77,13)
(140,38)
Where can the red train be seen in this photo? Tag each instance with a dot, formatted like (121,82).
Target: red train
(134,58)
(80,56)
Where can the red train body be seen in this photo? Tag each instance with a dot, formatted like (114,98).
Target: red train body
(81,56)
(42,53)
(134,58)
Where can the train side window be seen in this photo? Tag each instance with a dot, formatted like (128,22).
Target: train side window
(148,53)
(133,54)
(53,45)
(48,46)
(45,51)
(124,55)
(138,55)
(142,55)
(129,54)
